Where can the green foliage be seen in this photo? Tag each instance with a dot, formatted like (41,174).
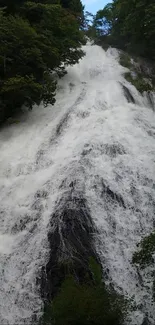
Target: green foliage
(125,60)
(147,248)
(130,25)
(87,303)
(139,82)
(103,20)
(90,29)
(37,38)
(21,66)
(18,88)
(144,256)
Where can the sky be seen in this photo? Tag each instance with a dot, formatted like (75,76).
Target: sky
(94,5)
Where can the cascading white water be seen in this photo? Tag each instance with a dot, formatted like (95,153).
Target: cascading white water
(92,135)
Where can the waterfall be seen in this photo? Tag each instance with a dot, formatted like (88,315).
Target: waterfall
(87,162)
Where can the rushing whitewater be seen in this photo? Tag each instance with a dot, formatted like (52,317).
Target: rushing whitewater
(99,139)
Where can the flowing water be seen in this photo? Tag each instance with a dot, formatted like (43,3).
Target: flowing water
(98,139)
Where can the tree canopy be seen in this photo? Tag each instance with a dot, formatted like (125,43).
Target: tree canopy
(37,37)
(129,25)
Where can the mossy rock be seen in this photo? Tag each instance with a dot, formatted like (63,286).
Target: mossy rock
(12,120)
(144,256)
(140,80)
(140,84)
(86,304)
(125,60)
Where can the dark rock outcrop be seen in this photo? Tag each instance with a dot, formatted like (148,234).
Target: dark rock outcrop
(71,243)
(128,95)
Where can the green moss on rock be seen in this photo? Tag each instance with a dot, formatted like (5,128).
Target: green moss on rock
(125,60)
(144,256)
(139,82)
(147,247)
(87,303)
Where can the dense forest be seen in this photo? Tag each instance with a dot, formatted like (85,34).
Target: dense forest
(37,39)
(129,25)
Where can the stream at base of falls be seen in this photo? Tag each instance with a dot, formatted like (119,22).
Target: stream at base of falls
(96,145)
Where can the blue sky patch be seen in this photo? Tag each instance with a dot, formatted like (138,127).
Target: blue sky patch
(94,5)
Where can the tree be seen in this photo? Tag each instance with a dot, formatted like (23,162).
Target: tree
(104,20)
(74,5)
(21,67)
(36,38)
(130,25)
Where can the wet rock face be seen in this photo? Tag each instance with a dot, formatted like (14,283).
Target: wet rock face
(128,95)
(151,100)
(70,242)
